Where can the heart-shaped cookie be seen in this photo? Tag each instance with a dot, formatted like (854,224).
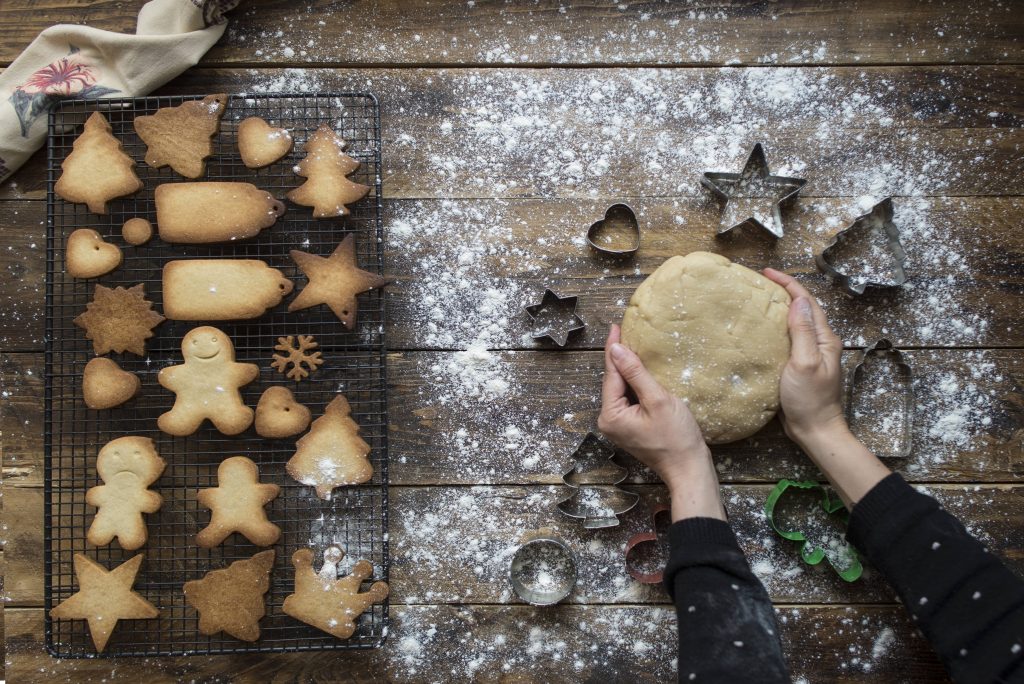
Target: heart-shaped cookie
(279,415)
(105,385)
(87,255)
(617,234)
(261,144)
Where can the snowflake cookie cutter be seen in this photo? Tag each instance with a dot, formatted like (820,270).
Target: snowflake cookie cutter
(650,544)
(543,570)
(595,497)
(622,216)
(555,318)
(900,444)
(755,181)
(302,360)
(815,554)
(878,220)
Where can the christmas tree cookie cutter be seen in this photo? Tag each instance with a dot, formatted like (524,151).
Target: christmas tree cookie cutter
(595,497)
(810,553)
(889,443)
(643,546)
(618,215)
(878,221)
(543,570)
(555,318)
(755,181)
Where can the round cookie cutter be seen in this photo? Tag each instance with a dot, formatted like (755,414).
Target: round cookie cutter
(543,571)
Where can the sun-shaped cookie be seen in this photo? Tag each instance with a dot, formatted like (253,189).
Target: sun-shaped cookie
(119,319)
(335,281)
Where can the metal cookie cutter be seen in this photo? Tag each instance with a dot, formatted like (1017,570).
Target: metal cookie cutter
(618,215)
(647,549)
(596,499)
(888,430)
(555,318)
(861,231)
(755,181)
(543,571)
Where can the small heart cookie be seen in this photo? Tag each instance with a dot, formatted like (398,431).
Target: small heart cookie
(279,415)
(261,144)
(105,385)
(87,255)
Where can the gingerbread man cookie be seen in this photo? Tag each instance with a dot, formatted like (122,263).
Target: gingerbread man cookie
(207,385)
(237,505)
(127,466)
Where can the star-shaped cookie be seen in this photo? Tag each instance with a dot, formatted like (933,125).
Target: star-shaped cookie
(335,281)
(231,599)
(119,319)
(104,597)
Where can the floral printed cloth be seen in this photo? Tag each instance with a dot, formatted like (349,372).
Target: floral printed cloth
(80,62)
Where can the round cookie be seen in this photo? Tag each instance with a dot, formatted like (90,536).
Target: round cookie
(715,334)
(137,231)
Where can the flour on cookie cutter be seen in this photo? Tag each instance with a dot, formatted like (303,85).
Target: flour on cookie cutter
(595,497)
(543,570)
(892,391)
(755,181)
(879,221)
(647,552)
(623,218)
(555,317)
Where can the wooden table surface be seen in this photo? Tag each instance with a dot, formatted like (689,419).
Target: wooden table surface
(507,128)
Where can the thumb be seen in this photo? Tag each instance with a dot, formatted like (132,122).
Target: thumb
(632,370)
(803,333)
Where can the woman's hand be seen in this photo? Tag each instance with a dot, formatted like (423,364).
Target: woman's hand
(659,430)
(811,388)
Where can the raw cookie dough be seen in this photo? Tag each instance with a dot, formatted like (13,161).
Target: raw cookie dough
(715,334)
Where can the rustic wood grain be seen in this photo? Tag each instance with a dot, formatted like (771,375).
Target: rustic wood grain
(969,117)
(531,34)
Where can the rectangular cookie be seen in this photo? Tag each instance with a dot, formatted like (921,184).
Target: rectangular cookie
(221,289)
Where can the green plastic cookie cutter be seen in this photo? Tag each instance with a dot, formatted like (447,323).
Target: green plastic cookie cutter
(815,554)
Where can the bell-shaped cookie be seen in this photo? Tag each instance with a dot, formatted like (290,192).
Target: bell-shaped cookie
(87,255)
(105,385)
(260,144)
(278,415)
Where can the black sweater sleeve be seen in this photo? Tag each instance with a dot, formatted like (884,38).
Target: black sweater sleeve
(967,603)
(727,628)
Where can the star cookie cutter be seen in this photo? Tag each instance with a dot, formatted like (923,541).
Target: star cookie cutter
(863,228)
(595,498)
(811,553)
(647,549)
(898,382)
(622,217)
(555,318)
(755,181)
(543,570)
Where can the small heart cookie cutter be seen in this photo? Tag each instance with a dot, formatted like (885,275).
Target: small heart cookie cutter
(595,496)
(643,539)
(543,570)
(564,308)
(884,351)
(620,213)
(878,220)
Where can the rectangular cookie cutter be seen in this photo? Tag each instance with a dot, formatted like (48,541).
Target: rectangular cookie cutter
(889,432)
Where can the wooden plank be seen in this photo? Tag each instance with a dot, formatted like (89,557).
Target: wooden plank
(453,545)
(502,644)
(929,131)
(965,290)
(459,33)
(968,427)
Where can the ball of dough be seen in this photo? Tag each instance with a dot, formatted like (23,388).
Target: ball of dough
(715,334)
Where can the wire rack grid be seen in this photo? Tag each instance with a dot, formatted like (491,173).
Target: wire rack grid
(355,518)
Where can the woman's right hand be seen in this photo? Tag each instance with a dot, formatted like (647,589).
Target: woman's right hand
(811,387)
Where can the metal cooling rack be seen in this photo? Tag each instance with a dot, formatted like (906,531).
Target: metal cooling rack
(355,519)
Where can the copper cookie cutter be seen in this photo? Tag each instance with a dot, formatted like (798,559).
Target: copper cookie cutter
(596,499)
(618,214)
(644,540)
(878,220)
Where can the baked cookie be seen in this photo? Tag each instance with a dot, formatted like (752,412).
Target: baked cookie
(278,415)
(221,289)
(231,599)
(298,355)
(127,466)
(137,231)
(326,601)
(97,170)
(236,505)
(104,597)
(260,144)
(332,454)
(325,167)
(182,137)
(197,213)
(88,255)
(334,281)
(207,385)
(105,385)
(119,320)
